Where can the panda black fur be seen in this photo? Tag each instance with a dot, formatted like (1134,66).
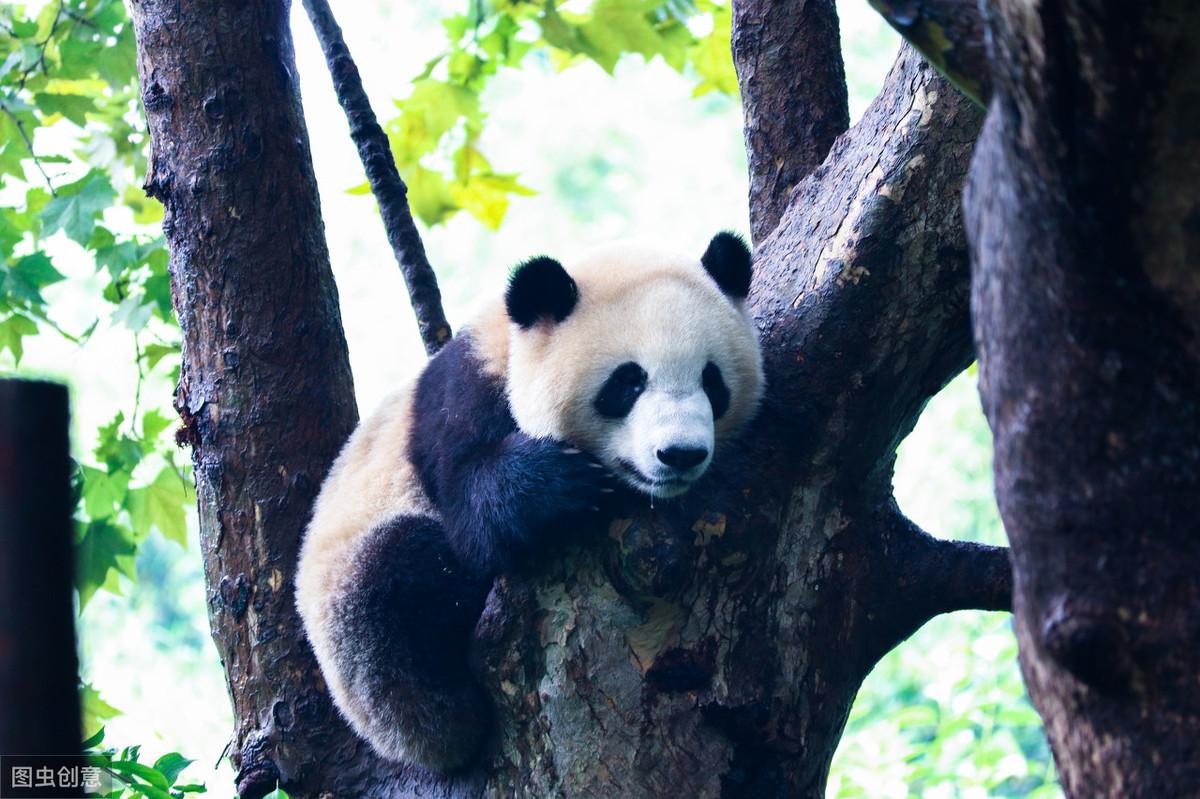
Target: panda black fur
(623,372)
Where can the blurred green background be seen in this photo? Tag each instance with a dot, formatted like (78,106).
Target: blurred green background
(644,152)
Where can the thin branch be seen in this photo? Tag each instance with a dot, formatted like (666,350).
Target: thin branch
(37,162)
(386,184)
(789,64)
(42,45)
(949,33)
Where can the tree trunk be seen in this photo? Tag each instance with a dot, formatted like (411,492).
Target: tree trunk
(265,392)
(1084,211)
(711,648)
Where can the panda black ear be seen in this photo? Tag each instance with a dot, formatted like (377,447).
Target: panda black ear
(727,259)
(540,289)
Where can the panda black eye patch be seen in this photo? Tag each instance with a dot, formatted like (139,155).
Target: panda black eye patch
(715,388)
(620,391)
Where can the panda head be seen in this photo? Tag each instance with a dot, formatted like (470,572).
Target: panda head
(646,360)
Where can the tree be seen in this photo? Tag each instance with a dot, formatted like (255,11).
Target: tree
(711,648)
(1087,301)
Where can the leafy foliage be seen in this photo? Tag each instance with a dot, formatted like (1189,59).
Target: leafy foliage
(72,148)
(133,778)
(436,137)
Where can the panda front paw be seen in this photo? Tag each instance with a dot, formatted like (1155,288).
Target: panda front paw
(563,485)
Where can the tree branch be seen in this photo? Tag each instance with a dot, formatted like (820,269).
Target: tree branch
(949,33)
(789,63)
(942,576)
(862,291)
(37,162)
(930,576)
(386,184)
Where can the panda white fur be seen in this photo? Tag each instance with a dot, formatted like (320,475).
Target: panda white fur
(624,371)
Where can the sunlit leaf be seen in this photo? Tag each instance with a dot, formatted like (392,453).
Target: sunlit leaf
(96,711)
(161,505)
(170,765)
(13,331)
(78,206)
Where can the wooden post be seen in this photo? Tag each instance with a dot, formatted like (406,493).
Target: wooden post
(39,697)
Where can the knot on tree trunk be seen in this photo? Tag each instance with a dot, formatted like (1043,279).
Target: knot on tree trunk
(1088,640)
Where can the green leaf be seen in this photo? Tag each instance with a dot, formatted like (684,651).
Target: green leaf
(153,424)
(162,505)
(153,353)
(77,207)
(133,312)
(12,230)
(118,65)
(94,741)
(158,295)
(119,452)
(170,765)
(105,552)
(30,275)
(13,331)
(432,110)
(23,28)
(12,154)
(485,196)
(131,768)
(430,196)
(146,210)
(117,258)
(103,493)
(711,57)
(617,27)
(74,107)
(95,712)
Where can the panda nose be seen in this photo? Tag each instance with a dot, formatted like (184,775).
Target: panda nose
(682,457)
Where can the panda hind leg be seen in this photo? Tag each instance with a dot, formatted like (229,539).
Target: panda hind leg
(403,633)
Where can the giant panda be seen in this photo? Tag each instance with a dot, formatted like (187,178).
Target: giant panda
(620,373)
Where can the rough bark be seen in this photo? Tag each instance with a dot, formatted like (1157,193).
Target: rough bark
(1083,208)
(710,648)
(788,56)
(39,671)
(265,391)
(386,185)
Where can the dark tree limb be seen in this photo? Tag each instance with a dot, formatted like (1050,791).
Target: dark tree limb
(863,290)
(936,576)
(39,671)
(386,184)
(1082,208)
(788,57)
(926,577)
(949,33)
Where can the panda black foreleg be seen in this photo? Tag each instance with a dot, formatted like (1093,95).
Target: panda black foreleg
(504,503)
(405,625)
